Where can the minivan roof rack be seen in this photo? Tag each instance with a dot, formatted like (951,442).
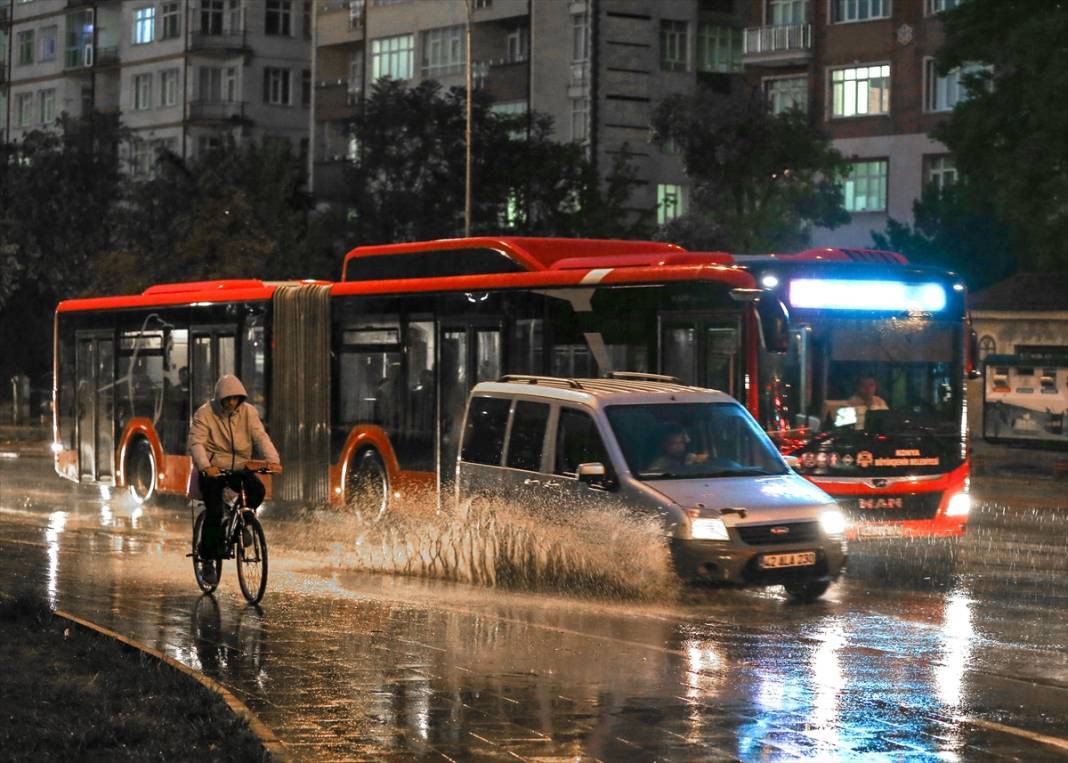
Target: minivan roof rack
(532,379)
(642,376)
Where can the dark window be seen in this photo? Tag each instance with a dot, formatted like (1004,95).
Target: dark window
(449,262)
(487,419)
(528,435)
(577,442)
(279,17)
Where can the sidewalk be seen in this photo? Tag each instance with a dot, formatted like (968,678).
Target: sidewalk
(25,441)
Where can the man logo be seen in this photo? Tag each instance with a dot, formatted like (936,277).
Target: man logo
(780,531)
(881,503)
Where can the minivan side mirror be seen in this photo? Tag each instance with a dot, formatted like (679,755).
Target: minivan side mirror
(591,474)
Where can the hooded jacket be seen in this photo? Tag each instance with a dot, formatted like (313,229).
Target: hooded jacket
(225,440)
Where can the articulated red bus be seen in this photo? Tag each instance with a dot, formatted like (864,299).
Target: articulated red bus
(363,382)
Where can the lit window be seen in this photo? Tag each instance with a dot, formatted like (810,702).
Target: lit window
(46,43)
(170,21)
(785,93)
(673,46)
(47,100)
(860,10)
(670,203)
(860,91)
(279,17)
(580,119)
(937,6)
(142,92)
(443,51)
(719,48)
(943,93)
(24,46)
(276,86)
(144,29)
(865,188)
(786,12)
(392,57)
(941,171)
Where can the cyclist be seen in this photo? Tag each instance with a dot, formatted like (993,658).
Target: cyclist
(222,436)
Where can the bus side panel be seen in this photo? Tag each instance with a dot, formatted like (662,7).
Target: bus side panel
(65,455)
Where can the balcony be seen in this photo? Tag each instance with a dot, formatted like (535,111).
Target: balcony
(223,43)
(334,99)
(215,112)
(782,45)
(107,56)
(339,23)
(78,57)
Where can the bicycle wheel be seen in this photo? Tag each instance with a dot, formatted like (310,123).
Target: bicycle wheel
(206,587)
(252,559)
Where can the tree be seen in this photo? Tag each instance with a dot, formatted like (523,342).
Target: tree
(1008,136)
(956,228)
(406,182)
(758,179)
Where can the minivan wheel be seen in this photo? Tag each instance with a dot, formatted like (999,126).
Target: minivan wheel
(140,471)
(367,491)
(808,591)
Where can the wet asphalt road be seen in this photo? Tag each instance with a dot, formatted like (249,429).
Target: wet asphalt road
(922,651)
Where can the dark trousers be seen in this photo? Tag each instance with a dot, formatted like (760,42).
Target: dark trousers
(211,491)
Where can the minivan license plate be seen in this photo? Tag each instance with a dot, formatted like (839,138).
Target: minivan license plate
(799,559)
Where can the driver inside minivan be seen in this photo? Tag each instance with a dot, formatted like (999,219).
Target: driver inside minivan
(674,456)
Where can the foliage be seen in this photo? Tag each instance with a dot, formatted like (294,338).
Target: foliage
(1008,137)
(955,228)
(758,179)
(406,181)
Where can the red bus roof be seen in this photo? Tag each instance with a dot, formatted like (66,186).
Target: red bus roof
(233,290)
(529,253)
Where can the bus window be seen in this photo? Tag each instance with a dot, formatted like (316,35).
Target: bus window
(175,426)
(371,386)
(140,381)
(526,355)
(488,350)
(254,361)
(213,356)
(679,354)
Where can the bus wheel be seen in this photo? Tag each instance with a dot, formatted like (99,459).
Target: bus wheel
(367,492)
(140,471)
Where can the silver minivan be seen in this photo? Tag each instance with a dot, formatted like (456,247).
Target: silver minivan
(732,508)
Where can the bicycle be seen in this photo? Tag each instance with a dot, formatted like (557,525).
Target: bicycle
(243,539)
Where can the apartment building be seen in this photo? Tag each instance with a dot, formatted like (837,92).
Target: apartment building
(864,71)
(598,67)
(184,75)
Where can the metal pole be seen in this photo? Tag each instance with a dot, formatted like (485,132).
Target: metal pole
(467,130)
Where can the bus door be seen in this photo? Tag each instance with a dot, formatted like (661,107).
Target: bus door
(95,399)
(469,355)
(212,354)
(701,349)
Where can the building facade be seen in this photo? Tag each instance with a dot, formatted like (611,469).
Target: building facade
(864,71)
(598,67)
(183,75)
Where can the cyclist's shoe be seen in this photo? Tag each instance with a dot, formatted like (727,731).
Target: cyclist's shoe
(208,573)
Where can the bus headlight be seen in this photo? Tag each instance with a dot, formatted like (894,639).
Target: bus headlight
(959,505)
(833,522)
(707,528)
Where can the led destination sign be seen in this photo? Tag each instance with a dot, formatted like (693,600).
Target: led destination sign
(849,294)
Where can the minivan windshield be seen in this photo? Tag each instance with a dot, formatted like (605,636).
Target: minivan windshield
(692,441)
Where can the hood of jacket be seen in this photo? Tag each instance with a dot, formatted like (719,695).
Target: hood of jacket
(227,386)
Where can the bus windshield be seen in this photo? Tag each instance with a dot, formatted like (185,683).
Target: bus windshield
(865,396)
(663,441)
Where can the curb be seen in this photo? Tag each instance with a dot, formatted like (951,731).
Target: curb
(271,743)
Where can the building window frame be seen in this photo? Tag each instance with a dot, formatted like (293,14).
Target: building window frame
(785,12)
(776,96)
(934,7)
(144,25)
(393,57)
(24,47)
(854,87)
(674,45)
(278,18)
(142,91)
(942,94)
(443,51)
(277,86)
(170,21)
(670,202)
(712,40)
(168,87)
(580,119)
(47,43)
(46,106)
(874,182)
(580,37)
(940,171)
(517,45)
(848,11)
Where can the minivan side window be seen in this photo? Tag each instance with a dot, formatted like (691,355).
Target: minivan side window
(487,419)
(577,442)
(528,435)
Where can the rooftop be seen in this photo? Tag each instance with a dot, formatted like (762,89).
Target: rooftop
(1028,292)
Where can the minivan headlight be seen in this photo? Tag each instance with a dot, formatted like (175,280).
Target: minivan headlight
(708,528)
(833,522)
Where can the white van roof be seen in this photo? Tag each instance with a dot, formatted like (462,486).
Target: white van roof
(610,391)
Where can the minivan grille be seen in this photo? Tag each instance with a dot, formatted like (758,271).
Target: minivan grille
(763,535)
